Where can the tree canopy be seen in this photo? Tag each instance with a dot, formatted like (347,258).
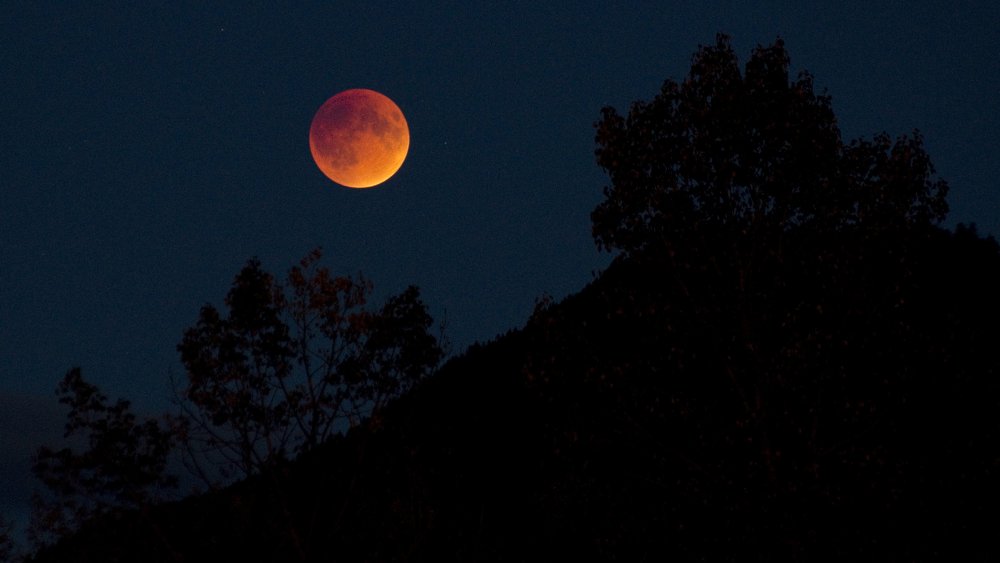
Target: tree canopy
(282,369)
(291,364)
(750,152)
(122,463)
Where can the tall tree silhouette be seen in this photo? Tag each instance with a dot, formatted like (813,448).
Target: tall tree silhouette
(750,153)
(290,365)
(775,331)
(122,464)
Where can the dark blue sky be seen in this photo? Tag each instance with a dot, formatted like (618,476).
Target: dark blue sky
(147,153)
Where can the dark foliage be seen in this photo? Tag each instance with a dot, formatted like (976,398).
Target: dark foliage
(289,366)
(750,154)
(121,465)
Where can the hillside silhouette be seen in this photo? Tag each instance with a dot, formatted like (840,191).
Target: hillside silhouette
(592,431)
(789,359)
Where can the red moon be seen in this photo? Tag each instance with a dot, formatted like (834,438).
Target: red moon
(359,138)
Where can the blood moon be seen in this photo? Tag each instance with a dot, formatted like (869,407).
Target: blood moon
(359,138)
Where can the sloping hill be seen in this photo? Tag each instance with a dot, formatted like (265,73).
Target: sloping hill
(837,401)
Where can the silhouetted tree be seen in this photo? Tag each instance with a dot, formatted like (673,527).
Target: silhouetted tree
(121,463)
(290,365)
(749,154)
(775,332)
(766,225)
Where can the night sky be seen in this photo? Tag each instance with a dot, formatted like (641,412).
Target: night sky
(147,153)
